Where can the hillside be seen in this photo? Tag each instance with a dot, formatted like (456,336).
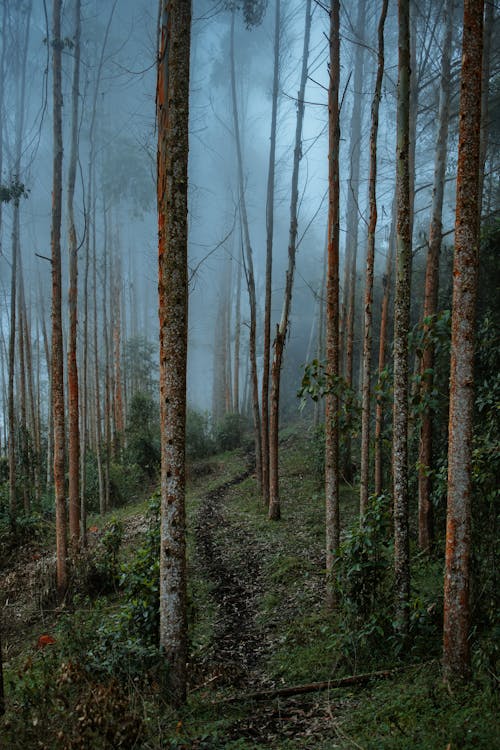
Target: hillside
(257,624)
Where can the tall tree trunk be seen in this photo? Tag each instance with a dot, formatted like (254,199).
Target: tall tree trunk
(282,328)
(370,262)
(489,22)
(57,335)
(456,650)
(269,258)
(22,427)
(117,352)
(23,432)
(105,336)
(425,516)
(237,340)
(332,497)
(352,220)
(73,389)
(20,116)
(382,347)
(249,272)
(172,111)
(401,330)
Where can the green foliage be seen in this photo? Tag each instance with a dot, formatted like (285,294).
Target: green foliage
(228,433)
(364,560)
(63,704)
(143,434)
(199,442)
(253,10)
(13,191)
(317,382)
(139,583)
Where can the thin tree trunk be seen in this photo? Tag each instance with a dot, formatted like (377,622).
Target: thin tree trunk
(73,389)
(282,328)
(172,108)
(57,336)
(237,340)
(489,21)
(382,347)
(401,330)
(97,393)
(23,422)
(50,411)
(117,349)
(248,271)
(20,114)
(332,497)
(370,262)
(425,515)
(352,231)
(456,648)
(269,259)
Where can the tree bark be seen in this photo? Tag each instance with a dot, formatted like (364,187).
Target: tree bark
(73,387)
(425,515)
(352,220)
(172,110)
(57,336)
(370,261)
(282,328)
(332,498)
(382,347)
(456,650)
(269,259)
(249,272)
(401,330)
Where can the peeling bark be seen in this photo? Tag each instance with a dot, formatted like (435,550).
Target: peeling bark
(73,386)
(172,112)
(456,652)
(401,330)
(57,336)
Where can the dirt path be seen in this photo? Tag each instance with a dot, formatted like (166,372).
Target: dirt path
(229,559)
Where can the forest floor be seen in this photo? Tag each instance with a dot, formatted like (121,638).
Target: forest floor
(256,622)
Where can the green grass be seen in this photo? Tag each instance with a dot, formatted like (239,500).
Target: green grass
(305,643)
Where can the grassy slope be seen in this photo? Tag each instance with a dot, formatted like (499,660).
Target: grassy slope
(302,643)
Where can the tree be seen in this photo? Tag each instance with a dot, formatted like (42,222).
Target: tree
(370,258)
(456,651)
(401,328)
(282,328)
(73,389)
(248,260)
(57,374)
(346,345)
(332,310)
(269,259)
(425,529)
(172,112)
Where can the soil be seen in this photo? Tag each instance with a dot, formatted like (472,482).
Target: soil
(228,557)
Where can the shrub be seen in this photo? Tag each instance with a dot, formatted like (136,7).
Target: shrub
(229,432)
(199,442)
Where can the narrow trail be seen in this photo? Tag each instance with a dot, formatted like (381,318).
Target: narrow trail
(229,559)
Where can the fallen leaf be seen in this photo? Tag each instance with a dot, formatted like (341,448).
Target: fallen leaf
(45,640)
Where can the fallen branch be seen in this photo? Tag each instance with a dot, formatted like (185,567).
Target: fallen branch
(313,687)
